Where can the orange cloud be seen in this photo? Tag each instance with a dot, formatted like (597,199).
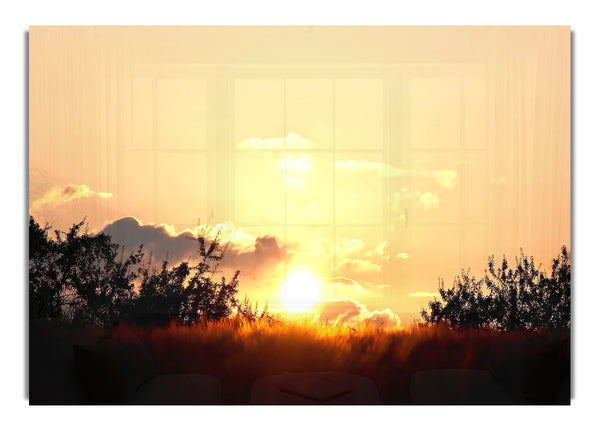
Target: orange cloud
(61,195)
(386,318)
(352,312)
(362,267)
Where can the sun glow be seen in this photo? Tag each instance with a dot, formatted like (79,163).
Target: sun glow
(300,291)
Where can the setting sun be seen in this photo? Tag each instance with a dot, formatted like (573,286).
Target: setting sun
(300,290)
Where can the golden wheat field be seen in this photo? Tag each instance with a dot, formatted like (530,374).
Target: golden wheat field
(239,351)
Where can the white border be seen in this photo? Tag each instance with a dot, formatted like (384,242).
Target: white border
(579,15)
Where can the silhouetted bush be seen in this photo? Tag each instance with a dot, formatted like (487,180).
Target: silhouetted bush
(188,292)
(249,313)
(77,276)
(507,299)
(87,278)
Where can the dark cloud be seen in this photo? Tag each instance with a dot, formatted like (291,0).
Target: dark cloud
(163,243)
(266,251)
(130,233)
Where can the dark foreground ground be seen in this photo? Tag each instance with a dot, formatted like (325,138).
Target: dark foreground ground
(418,365)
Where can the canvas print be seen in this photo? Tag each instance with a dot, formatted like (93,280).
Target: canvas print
(299,215)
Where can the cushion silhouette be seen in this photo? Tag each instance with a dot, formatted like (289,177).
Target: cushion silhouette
(314,388)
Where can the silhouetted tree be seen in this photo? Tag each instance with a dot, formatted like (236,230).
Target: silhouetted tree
(507,299)
(44,298)
(161,292)
(88,278)
(78,276)
(205,297)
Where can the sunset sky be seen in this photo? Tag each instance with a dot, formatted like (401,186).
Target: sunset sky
(377,159)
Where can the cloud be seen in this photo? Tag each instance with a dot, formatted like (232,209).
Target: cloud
(293,168)
(290,141)
(61,195)
(386,318)
(429,200)
(447,178)
(403,256)
(351,253)
(349,257)
(340,280)
(339,309)
(358,266)
(352,312)
(421,294)
(267,251)
(380,250)
(342,286)
(346,247)
(249,254)
(160,239)
(403,199)
(299,165)
(321,248)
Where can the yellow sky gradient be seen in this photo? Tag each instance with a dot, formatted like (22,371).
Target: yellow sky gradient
(378,158)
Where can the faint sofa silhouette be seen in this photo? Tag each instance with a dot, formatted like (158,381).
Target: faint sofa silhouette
(75,365)
(314,388)
(457,386)
(538,374)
